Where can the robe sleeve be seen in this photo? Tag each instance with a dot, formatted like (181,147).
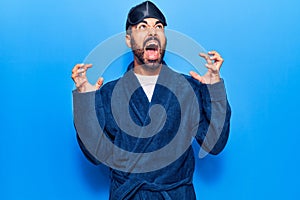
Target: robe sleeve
(214,125)
(88,115)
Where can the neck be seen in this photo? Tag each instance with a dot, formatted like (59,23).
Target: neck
(146,70)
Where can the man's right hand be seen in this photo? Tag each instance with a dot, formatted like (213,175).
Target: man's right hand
(80,79)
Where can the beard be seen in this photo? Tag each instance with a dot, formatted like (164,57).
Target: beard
(139,53)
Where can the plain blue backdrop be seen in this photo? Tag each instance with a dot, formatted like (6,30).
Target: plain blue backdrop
(41,41)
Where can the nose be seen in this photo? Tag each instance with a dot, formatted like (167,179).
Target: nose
(152,31)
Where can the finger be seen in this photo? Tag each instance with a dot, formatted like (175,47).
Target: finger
(82,70)
(77,77)
(206,57)
(74,76)
(80,84)
(77,74)
(196,76)
(216,57)
(210,66)
(213,67)
(218,61)
(213,52)
(99,83)
(81,67)
(86,66)
(76,67)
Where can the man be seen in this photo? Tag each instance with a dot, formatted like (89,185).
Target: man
(125,113)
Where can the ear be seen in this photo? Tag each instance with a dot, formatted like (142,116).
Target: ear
(128,39)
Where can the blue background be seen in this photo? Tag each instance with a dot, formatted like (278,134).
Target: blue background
(41,41)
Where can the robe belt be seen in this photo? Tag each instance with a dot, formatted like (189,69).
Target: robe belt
(131,186)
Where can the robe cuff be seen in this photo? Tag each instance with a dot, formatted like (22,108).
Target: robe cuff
(217,91)
(84,100)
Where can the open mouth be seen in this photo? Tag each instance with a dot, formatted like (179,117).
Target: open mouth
(152,50)
(152,47)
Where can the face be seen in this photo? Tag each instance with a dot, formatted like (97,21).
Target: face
(148,43)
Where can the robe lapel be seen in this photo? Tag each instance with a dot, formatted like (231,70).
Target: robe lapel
(166,81)
(139,104)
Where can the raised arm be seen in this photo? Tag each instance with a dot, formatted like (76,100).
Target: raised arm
(214,123)
(85,118)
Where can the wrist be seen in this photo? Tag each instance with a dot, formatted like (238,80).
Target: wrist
(215,78)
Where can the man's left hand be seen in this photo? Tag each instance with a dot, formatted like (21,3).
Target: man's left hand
(214,63)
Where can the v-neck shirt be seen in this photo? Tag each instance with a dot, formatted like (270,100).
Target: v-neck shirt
(148,84)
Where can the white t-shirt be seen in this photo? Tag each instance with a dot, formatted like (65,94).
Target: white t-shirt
(148,84)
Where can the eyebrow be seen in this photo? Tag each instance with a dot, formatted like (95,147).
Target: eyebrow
(157,22)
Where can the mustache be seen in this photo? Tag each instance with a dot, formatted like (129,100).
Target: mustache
(151,38)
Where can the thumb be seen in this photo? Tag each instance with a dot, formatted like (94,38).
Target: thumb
(197,76)
(99,83)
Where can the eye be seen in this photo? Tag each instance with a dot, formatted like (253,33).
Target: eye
(142,27)
(159,26)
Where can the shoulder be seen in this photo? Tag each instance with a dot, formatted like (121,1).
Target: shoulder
(177,78)
(196,85)
(109,86)
(105,92)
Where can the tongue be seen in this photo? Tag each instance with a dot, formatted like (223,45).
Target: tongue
(152,54)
